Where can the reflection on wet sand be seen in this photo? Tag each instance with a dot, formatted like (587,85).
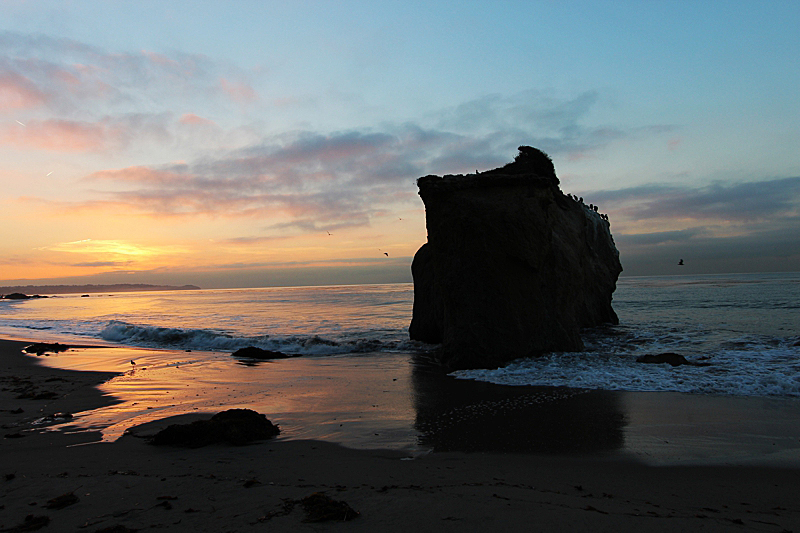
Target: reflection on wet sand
(470,416)
(403,402)
(397,401)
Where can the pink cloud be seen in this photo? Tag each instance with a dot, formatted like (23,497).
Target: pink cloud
(141,174)
(160,59)
(18,92)
(62,136)
(58,135)
(195,120)
(578,156)
(239,92)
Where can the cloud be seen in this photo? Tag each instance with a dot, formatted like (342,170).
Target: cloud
(318,181)
(105,247)
(18,92)
(144,175)
(739,202)
(773,248)
(315,181)
(555,125)
(239,92)
(80,81)
(659,238)
(749,226)
(192,119)
(73,136)
(114,264)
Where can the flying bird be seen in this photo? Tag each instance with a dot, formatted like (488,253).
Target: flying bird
(328,232)
(680,262)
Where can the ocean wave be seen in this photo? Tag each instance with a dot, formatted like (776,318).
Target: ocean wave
(744,368)
(210,340)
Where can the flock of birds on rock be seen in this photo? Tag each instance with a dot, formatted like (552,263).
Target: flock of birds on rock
(591,207)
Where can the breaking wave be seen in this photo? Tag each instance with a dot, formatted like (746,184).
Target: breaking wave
(213,341)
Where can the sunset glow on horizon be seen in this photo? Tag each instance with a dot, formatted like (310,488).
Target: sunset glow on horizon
(258,143)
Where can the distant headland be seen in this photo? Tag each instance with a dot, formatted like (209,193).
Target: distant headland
(68,289)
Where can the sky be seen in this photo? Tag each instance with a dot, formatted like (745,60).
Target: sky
(255,143)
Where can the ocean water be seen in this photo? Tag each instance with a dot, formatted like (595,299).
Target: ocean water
(745,326)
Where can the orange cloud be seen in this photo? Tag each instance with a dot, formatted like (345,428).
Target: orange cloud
(18,92)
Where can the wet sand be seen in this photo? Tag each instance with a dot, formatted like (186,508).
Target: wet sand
(575,476)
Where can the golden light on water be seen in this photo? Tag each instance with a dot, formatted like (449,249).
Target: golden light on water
(330,399)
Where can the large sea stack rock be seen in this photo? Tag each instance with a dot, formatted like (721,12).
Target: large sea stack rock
(512,268)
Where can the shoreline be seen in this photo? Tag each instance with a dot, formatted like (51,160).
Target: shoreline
(245,488)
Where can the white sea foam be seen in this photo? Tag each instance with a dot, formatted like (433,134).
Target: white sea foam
(760,371)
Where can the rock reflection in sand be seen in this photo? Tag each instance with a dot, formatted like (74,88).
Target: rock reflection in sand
(473,416)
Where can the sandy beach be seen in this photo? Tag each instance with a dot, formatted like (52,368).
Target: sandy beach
(131,485)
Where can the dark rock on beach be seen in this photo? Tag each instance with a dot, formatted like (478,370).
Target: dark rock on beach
(42,348)
(253,352)
(234,426)
(669,358)
(31,523)
(320,507)
(65,500)
(513,267)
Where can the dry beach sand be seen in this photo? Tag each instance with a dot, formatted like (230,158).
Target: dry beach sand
(257,487)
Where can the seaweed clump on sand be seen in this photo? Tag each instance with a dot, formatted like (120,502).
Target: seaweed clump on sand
(234,426)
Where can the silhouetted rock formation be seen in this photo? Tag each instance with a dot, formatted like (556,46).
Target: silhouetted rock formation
(513,267)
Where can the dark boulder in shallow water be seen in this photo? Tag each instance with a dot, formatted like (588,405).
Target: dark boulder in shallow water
(513,267)
(16,296)
(669,358)
(234,426)
(253,352)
